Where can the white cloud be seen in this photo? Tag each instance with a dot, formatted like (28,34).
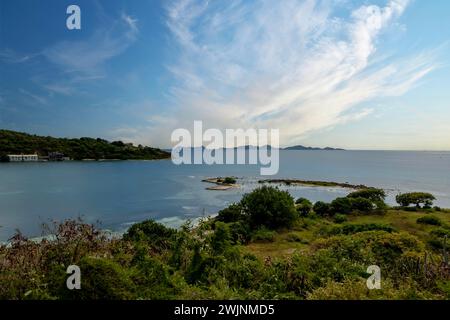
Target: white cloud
(292,65)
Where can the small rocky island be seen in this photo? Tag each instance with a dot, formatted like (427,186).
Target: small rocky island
(294,182)
(222,183)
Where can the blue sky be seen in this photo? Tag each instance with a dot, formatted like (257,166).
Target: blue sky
(372,74)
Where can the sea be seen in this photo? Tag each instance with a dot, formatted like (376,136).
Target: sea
(116,194)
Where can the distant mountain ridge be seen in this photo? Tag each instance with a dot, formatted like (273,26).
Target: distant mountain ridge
(247,147)
(13,142)
(300,147)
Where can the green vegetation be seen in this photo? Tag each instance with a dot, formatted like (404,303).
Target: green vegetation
(431,220)
(229,180)
(258,248)
(304,206)
(415,198)
(12,142)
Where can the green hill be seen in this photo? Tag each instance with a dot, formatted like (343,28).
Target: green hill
(12,142)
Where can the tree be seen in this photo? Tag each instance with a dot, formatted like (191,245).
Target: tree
(321,208)
(269,207)
(372,194)
(304,206)
(415,198)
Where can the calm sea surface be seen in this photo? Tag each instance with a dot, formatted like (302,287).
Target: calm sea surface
(120,193)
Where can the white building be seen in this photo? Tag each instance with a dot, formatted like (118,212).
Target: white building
(23,157)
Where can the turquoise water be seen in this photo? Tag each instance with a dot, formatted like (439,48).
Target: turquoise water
(120,193)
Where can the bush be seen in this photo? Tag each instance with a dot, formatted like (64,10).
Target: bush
(415,198)
(240,232)
(362,204)
(321,208)
(100,279)
(263,235)
(220,239)
(357,228)
(340,218)
(232,213)
(155,234)
(431,220)
(293,237)
(229,180)
(269,207)
(304,206)
(341,205)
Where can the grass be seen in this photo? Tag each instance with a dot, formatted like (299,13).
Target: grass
(307,231)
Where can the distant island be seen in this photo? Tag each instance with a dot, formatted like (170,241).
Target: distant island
(300,147)
(19,143)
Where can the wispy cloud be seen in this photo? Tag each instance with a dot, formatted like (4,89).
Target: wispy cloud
(87,57)
(10,56)
(33,97)
(293,65)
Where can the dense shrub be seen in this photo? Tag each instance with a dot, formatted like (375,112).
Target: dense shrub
(340,218)
(151,232)
(269,207)
(240,232)
(341,205)
(102,279)
(304,206)
(362,204)
(356,228)
(431,220)
(263,235)
(232,213)
(321,208)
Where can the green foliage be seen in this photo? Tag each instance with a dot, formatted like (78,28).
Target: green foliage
(348,229)
(229,180)
(340,218)
(304,206)
(415,198)
(102,279)
(263,235)
(431,220)
(220,239)
(372,194)
(362,204)
(151,232)
(341,205)
(321,208)
(320,260)
(240,232)
(12,142)
(269,207)
(232,213)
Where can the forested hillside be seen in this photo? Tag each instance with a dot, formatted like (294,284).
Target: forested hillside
(12,142)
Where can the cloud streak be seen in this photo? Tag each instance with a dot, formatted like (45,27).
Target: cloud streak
(293,65)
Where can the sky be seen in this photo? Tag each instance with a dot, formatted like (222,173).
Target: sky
(369,74)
